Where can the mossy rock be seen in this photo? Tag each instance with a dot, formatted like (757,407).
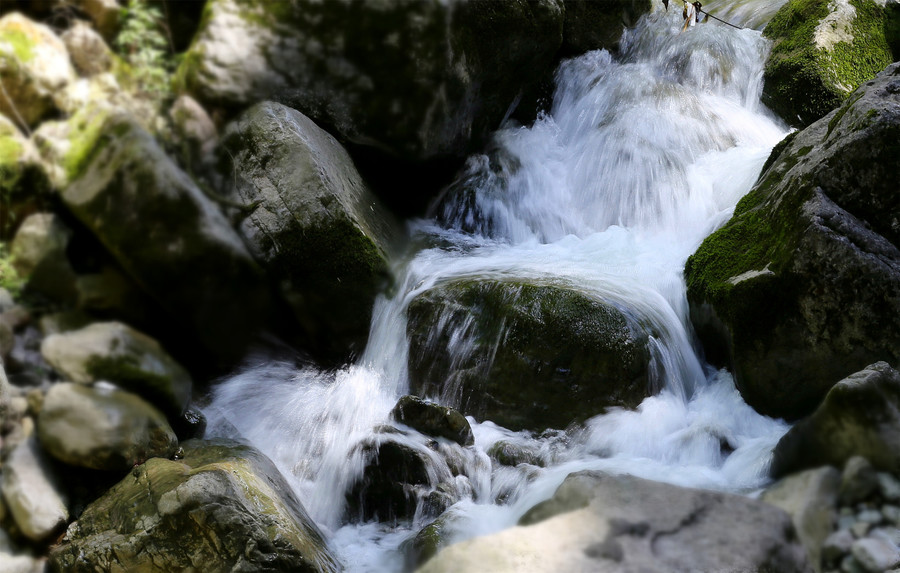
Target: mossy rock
(417,79)
(526,356)
(164,232)
(223,507)
(24,188)
(433,420)
(823,50)
(312,222)
(802,286)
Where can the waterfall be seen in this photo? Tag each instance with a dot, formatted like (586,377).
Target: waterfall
(641,156)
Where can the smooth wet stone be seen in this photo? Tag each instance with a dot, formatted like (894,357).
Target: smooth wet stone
(872,516)
(889,486)
(836,546)
(875,555)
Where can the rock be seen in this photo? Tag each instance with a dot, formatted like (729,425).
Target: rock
(416,79)
(426,543)
(163,231)
(319,231)
(860,529)
(194,130)
(109,293)
(859,416)
(810,498)
(510,454)
(858,482)
(23,183)
(34,65)
(889,534)
(591,25)
(522,355)
(825,49)
(433,420)
(39,256)
(870,516)
(891,514)
(600,522)
(836,546)
(32,494)
(89,52)
(117,353)
(876,555)
(803,283)
(104,14)
(21,564)
(223,507)
(389,488)
(888,486)
(6,300)
(6,395)
(190,425)
(102,428)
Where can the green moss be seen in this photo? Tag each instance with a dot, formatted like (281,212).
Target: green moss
(87,138)
(9,278)
(22,45)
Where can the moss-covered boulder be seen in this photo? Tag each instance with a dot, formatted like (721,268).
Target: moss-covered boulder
(433,420)
(163,231)
(802,286)
(102,428)
(418,79)
(117,353)
(592,25)
(823,50)
(23,184)
(523,355)
(860,416)
(34,67)
(313,223)
(223,507)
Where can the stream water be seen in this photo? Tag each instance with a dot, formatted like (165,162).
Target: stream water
(642,155)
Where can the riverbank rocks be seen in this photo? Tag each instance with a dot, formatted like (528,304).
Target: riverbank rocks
(23,183)
(825,49)
(605,523)
(416,79)
(102,428)
(802,286)
(164,232)
(34,67)
(312,222)
(433,420)
(117,353)
(38,253)
(32,493)
(859,416)
(90,54)
(222,507)
(525,356)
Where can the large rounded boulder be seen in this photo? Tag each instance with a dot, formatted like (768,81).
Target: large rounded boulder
(525,356)
(417,79)
(802,286)
(223,507)
(822,50)
(321,234)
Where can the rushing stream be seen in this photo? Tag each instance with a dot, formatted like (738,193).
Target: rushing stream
(642,155)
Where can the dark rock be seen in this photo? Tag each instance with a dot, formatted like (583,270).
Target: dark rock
(804,280)
(190,425)
(23,183)
(312,222)
(433,420)
(592,25)
(387,490)
(509,454)
(223,507)
(417,79)
(526,356)
(859,416)
(623,523)
(858,481)
(822,51)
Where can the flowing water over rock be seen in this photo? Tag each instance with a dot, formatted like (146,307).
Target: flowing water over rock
(641,156)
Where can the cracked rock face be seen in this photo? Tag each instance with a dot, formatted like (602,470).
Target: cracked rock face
(601,522)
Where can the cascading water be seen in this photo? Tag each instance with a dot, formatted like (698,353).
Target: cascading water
(641,156)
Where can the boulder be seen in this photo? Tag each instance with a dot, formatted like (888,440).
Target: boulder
(802,286)
(415,79)
(591,25)
(433,420)
(859,416)
(102,428)
(822,50)
(32,493)
(117,353)
(104,14)
(164,232)
(34,66)
(810,498)
(523,355)
(605,523)
(23,183)
(193,130)
(90,54)
(859,481)
(315,226)
(223,507)
(39,257)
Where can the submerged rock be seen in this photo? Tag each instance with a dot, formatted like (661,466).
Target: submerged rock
(825,49)
(803,283)
(525,356)
(433,420)
(860,416)
(102,428)
(117,353)
(223,507)
(600,522)
(418,79)
(312,221)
